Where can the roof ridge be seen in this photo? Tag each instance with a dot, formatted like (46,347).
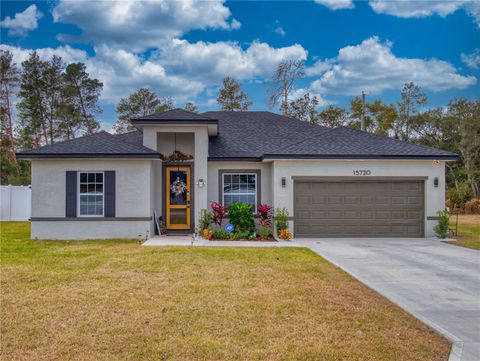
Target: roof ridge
(303,140)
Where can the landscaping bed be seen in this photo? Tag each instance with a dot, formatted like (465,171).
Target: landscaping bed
(115,300)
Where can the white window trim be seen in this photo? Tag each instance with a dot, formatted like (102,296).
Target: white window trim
(240,194)
(78,195)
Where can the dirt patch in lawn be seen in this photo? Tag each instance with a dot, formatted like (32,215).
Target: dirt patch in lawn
(109,300)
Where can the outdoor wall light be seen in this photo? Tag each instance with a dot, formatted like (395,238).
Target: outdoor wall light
(201,183)
(284,182)
(435,182)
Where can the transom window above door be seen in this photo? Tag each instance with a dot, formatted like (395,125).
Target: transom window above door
(90,194)
(239,188)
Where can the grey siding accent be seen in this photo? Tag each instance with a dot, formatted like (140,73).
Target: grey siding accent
(71,194)
(359,208)
(89,219)
(110,193)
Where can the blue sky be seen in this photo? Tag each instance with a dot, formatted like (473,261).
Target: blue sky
(183,49)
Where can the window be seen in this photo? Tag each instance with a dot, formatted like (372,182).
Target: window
(90,194)
(240,188)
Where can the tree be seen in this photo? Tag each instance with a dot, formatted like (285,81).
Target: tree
(191,107)
(333,117)
(464,118)
(138,104)
(231,97)
(304,108)
(32,110)
(379,117)
(411,98)
(80,101)
(283,81)
(9,80)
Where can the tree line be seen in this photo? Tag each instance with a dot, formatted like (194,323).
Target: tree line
(57,101)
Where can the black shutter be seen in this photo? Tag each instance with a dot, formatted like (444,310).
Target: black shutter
(71,194)
(109,193)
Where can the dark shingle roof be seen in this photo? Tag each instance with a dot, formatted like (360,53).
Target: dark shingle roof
(260,135)
(175,114)
(254,133)
(353,143)
(99,145)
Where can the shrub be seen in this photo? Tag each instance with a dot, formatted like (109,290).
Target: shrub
(457,197)
(241,235)
(472,206)
(205,219)
(241,217)
(219,213)
(265,232)
(285,235)
(281,219)
(220,234)
(441,229)
(264,214)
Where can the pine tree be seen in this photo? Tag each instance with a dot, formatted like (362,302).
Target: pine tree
(140,103)
(191,107)
(231,96)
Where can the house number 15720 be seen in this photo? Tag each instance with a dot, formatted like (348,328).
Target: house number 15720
(362,172)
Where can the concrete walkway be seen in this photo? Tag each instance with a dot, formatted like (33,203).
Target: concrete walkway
(436,282)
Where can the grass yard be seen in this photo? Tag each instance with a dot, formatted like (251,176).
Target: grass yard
(111,300)
(468,231)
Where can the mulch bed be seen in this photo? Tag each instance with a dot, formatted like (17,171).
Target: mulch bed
(256,239)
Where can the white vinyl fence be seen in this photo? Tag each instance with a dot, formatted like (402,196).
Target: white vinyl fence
(16,203)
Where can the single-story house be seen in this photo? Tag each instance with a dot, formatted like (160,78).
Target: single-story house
(338,182)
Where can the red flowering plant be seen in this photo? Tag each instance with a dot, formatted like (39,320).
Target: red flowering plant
(219,212)
(265,215)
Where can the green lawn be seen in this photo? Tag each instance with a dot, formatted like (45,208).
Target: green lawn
(106,300)
(468,231)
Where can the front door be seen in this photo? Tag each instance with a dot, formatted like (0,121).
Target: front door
(178,197)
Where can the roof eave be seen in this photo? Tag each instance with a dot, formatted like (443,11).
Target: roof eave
(89,155)
(361,156)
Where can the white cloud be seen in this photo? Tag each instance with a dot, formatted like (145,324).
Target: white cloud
(22,22)
(471,60)
(317,68)
(336,4)
(210,62)
(180,69)
(371,66)
(279,29)
(139,25)
(67,53)
(420,9)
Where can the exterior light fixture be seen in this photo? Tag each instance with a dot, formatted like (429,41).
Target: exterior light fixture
(284,182)
(201,183)
(435,182)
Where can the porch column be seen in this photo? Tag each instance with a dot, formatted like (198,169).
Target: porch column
(200,171)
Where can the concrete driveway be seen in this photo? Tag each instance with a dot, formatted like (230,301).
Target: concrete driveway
(436,282)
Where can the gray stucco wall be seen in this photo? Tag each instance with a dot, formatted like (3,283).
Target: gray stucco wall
(133,198)
(266,178)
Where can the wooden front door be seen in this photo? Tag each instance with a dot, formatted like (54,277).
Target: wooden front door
(177,197)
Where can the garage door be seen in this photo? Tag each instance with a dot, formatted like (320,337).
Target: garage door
(359,209)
